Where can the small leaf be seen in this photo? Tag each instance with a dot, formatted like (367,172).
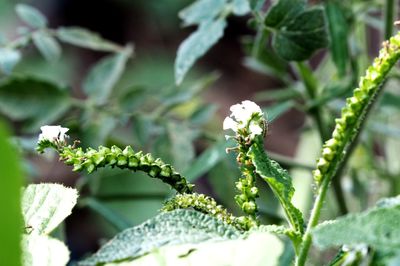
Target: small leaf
(196,45)
(47,45)
(170,228)
(31,16)
(241,7)
(377,227)
(102,78)
(45,206)
(279,181)
(299,32)
(84,38)
(201,11)
(8,59)
(41,250)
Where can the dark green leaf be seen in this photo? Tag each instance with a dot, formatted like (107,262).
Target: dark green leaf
(170,228)
(196,45)
(36,101)
(377,227)
(279,181)
(390,99)
(299,32)
(256,5)
(102,78)
(279,94)
(338,32)
(241,7)
(84,38)
(47,45)
(31,16)
(8,59)
(11,182)
(201,11)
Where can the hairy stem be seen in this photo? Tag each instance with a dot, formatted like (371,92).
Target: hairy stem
(346,132)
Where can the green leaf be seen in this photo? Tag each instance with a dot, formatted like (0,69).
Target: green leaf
(32,100)
(201,11)
(298,32)
(256,5)
(84,38)
(31,16)
(11,182)
(338,32)
(102,78)
(241,7)
(377,227)
(43,250)
(196,45)
(279,181)
(170,228)
(47,45)
(45,206)
(275,111)
(8,59)
(258,249)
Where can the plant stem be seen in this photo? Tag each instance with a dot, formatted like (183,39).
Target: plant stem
(389,18)
(311,86)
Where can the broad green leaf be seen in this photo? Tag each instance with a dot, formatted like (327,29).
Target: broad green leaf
(8,59)
(47,45)
(170,228)
(275,111)
(338,32)
(31,16)
(377,227)
(42,250)
(298,32)
(258,249)
(10,182)
(207,160)
(240,7)
(84,38)
(32,100)
(45,206)
(196,45)
(279,181)
(102,78)
(201,11)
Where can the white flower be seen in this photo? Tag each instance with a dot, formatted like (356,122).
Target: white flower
(53,134)
(243,112)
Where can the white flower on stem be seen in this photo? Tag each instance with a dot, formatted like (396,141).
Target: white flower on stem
(54,134)
(246,116)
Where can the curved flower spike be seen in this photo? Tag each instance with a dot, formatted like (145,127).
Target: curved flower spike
(52,136)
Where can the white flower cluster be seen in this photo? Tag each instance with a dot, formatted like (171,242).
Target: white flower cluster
(246,117)
(54,134)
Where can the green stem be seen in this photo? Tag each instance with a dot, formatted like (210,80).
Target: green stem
(390,8)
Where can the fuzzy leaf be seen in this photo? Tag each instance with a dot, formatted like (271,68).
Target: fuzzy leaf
(196,45)
(41,250)
(299,32)
(279,181)
(45,206)
(102,78)
(84,38)
(31,16)
(377,227)
(170,228)
(8,59)
(47,45)
(201,11)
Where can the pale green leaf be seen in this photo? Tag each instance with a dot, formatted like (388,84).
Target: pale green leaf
(241,7)
(8,59)
(84,38)
(31,16)
(45,206)
(279,181)
(258,249)
(41,250)
(47,45)
(201,11)
(170,228)
(103,76)
(275,111)
(196,45)
(10,182)
(377,227)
